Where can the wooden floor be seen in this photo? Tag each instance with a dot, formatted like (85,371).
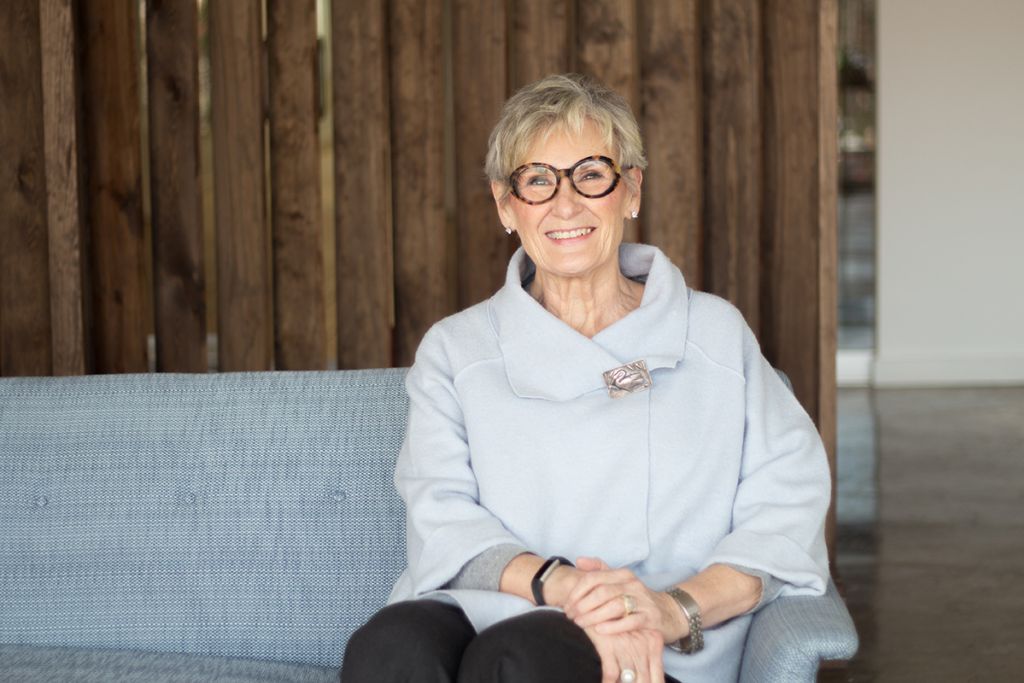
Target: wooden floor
(931,545)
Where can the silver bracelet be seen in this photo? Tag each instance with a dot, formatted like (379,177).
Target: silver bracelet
(694,642)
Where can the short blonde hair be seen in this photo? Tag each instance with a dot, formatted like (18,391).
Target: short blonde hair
(569,102)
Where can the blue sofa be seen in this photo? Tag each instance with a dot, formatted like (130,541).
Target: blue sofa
(231,527)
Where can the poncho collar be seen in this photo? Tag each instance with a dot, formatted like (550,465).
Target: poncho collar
(545,358)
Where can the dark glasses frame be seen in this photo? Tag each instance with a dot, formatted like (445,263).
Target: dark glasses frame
(565,173)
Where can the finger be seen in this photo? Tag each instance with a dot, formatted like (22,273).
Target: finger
(606,653)
(591,581)
(624,625)
(596,599)
(591,564)
(609,668)
(657,665)
(612,610)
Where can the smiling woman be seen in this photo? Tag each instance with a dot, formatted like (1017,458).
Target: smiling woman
(595,408)
(573,236)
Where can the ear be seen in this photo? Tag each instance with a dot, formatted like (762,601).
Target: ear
(501,202)
(637,176)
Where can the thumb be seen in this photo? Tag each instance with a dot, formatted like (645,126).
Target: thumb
(591,564)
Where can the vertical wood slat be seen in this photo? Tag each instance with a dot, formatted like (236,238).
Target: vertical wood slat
(733,164)
(24,289)
(541,34)
(114,158)
(828,226)
(791,194)
(63,188)
(362,176)
(670,40)
(423,294)
(800,221)
(607,49)
(243,268)
(179,280)
(300,337)
(480,74)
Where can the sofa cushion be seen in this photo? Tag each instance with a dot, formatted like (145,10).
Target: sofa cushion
(243,515)
(28,664)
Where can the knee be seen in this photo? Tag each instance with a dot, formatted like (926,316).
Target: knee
(414,640)
(539,646)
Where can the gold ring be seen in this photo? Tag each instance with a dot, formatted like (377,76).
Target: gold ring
(629,603)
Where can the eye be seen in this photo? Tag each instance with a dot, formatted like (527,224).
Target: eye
(537,176)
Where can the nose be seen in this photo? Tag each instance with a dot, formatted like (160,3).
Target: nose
(566,202)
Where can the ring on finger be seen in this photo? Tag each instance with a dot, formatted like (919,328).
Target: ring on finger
(627,676)
(629,604)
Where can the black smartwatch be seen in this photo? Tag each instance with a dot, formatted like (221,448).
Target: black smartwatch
(543,574)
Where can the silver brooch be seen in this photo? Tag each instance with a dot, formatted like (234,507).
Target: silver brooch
(627,379)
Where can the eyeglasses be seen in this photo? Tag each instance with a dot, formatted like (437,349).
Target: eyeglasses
(593,177)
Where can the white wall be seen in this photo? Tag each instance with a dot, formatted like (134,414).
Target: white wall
(950,192)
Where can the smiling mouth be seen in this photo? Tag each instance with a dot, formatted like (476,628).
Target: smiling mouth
(569,234)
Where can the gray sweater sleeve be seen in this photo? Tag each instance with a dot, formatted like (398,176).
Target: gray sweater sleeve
(483,572)
(770,586)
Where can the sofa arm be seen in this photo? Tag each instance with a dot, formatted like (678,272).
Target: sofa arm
(791,636)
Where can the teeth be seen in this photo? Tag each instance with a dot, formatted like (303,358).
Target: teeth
(569,234)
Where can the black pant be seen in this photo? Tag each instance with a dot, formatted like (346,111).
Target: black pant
(426,641)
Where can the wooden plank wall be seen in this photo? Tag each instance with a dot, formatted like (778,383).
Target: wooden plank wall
(25,329)
(736,99)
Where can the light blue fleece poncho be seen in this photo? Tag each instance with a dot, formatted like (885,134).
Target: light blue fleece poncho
(513,439)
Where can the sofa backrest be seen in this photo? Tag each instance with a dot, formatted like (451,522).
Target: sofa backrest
(236,514)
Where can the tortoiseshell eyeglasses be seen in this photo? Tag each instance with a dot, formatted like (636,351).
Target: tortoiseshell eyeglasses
(592,177)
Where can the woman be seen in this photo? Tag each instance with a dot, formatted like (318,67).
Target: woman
(593,409)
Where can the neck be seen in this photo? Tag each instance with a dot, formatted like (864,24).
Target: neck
(588,303)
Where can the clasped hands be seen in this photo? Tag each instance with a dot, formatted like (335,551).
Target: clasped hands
(627,622)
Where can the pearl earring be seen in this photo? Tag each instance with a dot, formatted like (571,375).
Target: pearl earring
(635,215)
(508,230)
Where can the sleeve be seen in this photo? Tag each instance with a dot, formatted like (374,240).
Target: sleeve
(784,486)
(484,571)
(446,526)
(770,586)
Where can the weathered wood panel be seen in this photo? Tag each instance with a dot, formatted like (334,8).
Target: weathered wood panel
(243,260)
(67,261)
(362,176)
(607,46)
(300,337)
(24,287)
(733,170)
(110,60)
(799,296)
(179,279)
(481,81)
(792,212)
(671,122)
(828,227)
(423,290)
(607,49)
(542,37)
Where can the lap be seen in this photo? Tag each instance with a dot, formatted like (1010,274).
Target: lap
(432,641)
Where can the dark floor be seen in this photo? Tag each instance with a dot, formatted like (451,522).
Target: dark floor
(931,541)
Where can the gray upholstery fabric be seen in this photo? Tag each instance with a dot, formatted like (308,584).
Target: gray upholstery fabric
(28,664)
(241,515)
(791,636)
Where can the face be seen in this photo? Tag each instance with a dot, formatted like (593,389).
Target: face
(570,235)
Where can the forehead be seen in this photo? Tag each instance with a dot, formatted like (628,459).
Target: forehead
(562,147)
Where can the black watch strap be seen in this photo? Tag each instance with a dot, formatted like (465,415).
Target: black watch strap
(543,574)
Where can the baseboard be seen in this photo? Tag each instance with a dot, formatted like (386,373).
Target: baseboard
(854,367)
(918,370)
